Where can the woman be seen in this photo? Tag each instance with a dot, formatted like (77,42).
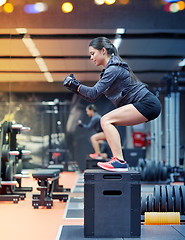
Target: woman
(134,103)
(99,136)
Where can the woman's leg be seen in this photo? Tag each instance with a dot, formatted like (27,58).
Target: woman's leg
(126,115)
(95,139)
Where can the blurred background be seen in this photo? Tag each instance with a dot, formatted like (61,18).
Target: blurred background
(43,42)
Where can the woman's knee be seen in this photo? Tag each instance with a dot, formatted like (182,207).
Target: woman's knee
(93,138)
(105,121)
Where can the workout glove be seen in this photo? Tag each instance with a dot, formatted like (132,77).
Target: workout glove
(71,83)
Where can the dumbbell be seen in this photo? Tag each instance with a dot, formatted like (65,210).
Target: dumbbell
(6,153)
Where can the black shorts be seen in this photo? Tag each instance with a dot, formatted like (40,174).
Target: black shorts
(149,106)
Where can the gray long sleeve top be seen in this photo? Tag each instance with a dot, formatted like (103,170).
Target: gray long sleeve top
(94,123)
(116,85)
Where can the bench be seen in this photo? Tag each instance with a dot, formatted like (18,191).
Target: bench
(57,187)
(45,179)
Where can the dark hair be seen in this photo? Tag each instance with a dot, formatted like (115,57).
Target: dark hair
(92,107)
(103,42)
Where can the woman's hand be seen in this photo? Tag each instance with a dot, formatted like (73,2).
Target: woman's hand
(71,83)
(80,123)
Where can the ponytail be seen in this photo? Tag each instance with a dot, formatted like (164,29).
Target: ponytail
(92,107)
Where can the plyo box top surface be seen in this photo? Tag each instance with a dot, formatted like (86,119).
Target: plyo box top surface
(103,175)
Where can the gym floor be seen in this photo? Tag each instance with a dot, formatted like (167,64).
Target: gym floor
(65,220)
(22,221)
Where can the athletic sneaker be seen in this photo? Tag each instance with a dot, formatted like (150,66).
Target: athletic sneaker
(114,165)
(95,156)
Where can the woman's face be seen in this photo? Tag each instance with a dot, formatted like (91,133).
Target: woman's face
(89,112)
(97,56)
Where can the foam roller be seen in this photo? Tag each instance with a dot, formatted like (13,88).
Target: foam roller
(162,218)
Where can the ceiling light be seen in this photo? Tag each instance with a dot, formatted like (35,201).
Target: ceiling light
(117,42)
(174,7)
(41,7)
(120,30)
(21,30)
(48,76)
(109,2)
(99,2)
(181,5)
(8,8)
(169,1)
(35,8)
(182,63)
(67,7)
(29,43)
(118,39)
(124,2)
(40,62)
(31,46)
(2,2)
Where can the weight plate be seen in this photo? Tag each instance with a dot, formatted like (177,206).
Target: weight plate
(149,171)
(182,193)
(144,174)
(152,171)
(9,171)
(19,167)
(5,152)
(9,127)
(143,204)
(150,203)
(177,199)
(163,198)
(142,163)
(157,198)
(169,198)
(157,173)
(164,173)
(159,170)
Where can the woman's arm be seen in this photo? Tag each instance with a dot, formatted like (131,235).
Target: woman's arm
(92,93)
(103,84)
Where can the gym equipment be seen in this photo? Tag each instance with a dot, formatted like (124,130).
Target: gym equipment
(169,198)
(7,181)
(92,163)
(54,118)
(57,187)
(55,154)
(152,171)
(71,83)
(172,103)
(10,158)
(157,196)
(156,135)
(162,218)
(165,198)
(143,204)
(133,156)
(45,179)
(169,170)
(112,204)
(17,129)
(172,122)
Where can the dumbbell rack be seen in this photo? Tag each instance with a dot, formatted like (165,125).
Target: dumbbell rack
(8,158)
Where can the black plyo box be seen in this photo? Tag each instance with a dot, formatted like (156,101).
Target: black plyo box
(112,202)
